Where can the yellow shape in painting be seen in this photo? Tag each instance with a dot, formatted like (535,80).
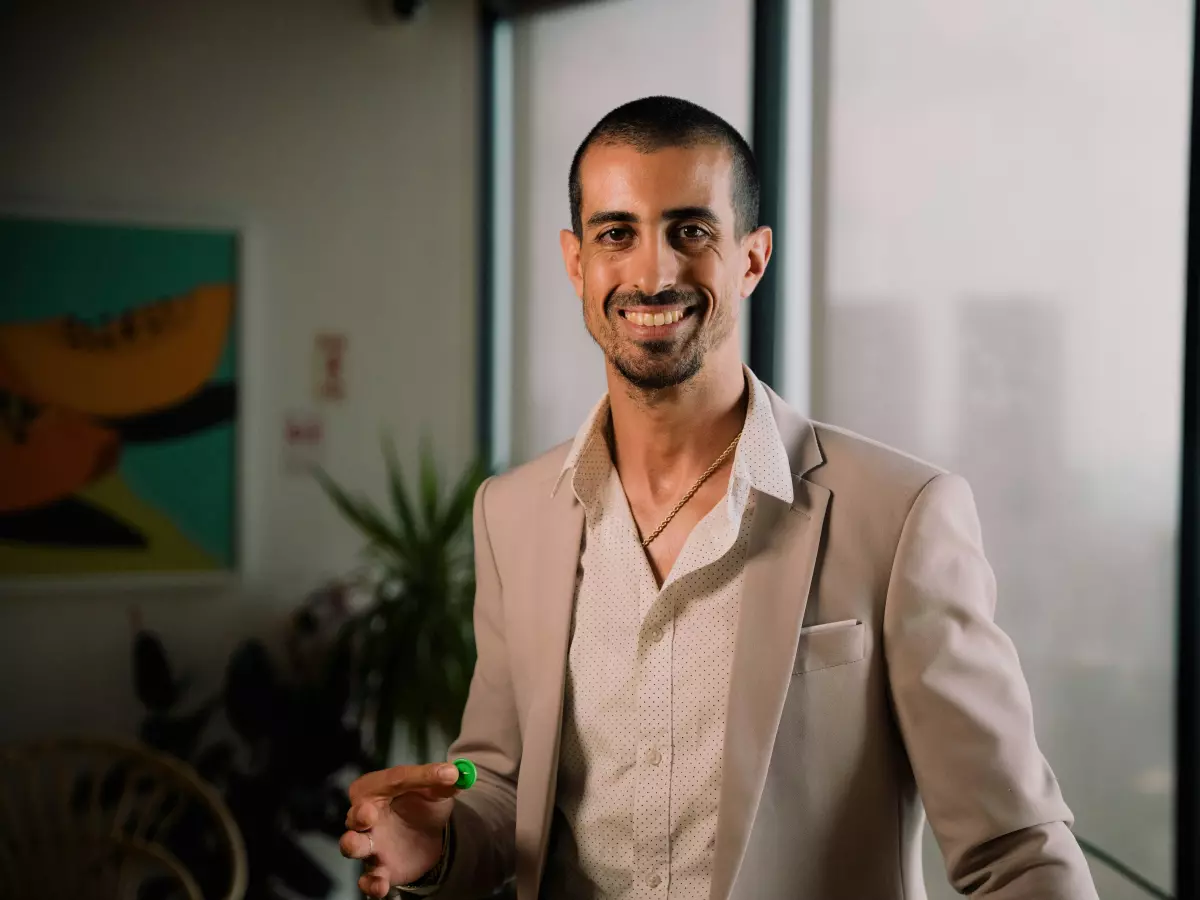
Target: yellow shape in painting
(167,550)
(148,359)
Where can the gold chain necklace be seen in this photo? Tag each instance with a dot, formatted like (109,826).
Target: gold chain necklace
(695,487)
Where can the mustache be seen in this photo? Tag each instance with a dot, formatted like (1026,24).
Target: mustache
(669,297)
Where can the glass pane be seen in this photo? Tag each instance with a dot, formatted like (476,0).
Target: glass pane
(1006,227)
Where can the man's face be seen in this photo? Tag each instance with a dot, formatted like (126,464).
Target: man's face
(659,266)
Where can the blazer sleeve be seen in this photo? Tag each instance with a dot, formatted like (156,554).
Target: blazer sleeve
(483,824)
(965,714)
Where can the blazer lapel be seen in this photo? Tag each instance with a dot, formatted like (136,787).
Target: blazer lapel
(551,577)
(781,558)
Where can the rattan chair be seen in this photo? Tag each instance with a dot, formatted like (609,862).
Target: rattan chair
(112,819)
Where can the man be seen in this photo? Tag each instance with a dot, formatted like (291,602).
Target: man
(723,651)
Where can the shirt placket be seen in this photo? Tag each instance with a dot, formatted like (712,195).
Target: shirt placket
(652,798)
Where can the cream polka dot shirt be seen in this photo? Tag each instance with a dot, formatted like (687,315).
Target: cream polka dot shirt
(648,678)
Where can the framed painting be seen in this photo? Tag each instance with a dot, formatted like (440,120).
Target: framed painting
(118,398)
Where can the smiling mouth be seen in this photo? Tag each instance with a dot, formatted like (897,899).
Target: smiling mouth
(656,317)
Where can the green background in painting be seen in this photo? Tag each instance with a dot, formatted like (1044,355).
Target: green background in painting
(94,271)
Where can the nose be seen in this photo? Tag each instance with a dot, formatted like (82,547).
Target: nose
(656,266)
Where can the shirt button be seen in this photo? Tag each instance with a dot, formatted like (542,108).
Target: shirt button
(656,635)
(653,757)
(654,881)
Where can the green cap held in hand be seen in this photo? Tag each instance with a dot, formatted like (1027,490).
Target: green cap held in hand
(467,773)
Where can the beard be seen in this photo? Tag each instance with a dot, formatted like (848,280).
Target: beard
(663,364)
(655,365)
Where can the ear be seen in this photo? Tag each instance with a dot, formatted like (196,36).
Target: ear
(756,246)
(571,259)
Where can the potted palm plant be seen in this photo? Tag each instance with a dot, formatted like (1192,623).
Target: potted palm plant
(413,646)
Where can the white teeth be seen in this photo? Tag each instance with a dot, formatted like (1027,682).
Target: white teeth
(650,320)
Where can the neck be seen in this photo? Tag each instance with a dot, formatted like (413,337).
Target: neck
(663,440)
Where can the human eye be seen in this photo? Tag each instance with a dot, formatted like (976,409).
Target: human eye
(618,234)
(692,234)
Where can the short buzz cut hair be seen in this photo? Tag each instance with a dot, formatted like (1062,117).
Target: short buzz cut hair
(655,123)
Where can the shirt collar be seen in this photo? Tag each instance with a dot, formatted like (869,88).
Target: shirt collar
(760,461)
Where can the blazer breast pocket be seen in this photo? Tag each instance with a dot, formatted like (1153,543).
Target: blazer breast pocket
(833,644)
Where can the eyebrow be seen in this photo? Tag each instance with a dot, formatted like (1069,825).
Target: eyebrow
(609,216)
(612,216)
(705,213)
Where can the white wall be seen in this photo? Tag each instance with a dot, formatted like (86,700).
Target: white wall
(1007,190)
(572,67)
(347,150)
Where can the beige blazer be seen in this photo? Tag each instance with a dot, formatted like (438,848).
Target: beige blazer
(868,676)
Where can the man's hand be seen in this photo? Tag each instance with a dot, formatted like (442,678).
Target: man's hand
(396,821)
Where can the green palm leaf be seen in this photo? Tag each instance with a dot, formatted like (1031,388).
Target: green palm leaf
(430,487)
(397,490)
(457,517)
(364,516)
(414,646)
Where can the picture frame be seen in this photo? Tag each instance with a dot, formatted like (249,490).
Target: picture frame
(191,520)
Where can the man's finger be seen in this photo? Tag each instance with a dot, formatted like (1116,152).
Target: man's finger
(375,883)
(355,845)
(441,792)
(363,815)
(387,783)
